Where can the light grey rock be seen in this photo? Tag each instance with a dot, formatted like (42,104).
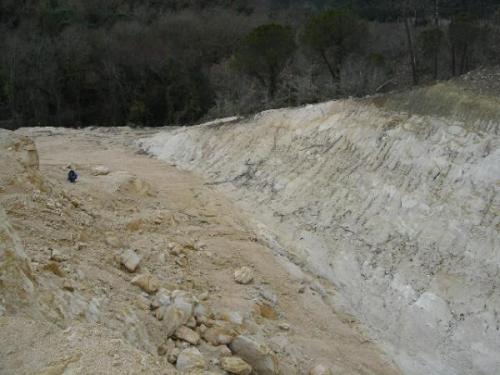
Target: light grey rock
(320,370)
(255,353)
(235,365)
(188,335)
(399,212)
(148,283)
(130,260)
(190,359)
(243,275)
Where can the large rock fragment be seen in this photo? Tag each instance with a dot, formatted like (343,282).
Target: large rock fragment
(219,335)
(175,310)
(188,335)
(243,275)
(100,170)
(235,365)
(146,282)
(320,370)
(190,359)
(255,353)
(130,260)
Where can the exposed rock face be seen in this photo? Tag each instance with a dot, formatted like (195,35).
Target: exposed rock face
(400,212)
(17,281)
(20,155)
(16,278)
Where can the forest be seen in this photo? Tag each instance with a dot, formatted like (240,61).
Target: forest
(81,63)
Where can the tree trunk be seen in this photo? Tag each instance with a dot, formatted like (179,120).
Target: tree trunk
(436,64)
(273,82)
(436,51)
(453,61)
(411,50)
(463,60)
(329,65)
(436,13)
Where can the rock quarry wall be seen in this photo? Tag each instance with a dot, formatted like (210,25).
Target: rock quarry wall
(398,211)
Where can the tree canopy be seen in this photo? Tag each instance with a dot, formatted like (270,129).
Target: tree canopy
(264,53)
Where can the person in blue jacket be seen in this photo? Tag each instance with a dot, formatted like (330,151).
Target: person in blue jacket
(72,176)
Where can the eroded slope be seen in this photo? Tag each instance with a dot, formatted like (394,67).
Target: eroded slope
(131,270)
(399,211)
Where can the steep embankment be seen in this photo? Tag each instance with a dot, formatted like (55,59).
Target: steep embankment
(399,211)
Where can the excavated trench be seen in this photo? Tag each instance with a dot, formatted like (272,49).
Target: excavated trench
(399,211)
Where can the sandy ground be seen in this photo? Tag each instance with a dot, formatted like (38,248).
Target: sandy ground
(145,204)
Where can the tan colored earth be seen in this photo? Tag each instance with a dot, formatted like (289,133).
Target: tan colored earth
(84,316)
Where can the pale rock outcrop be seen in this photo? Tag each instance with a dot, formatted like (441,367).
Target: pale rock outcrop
(399,211)
(17,282)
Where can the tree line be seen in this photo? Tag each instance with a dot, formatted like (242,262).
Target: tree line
(169,62)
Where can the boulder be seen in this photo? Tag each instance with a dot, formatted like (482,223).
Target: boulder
(320,370)
(243,275)
(130,260)
(235,365)
(146,282)
(100,170)
(177,313)
(57,256)
(219,335)
(172,317)
(190,359)
(162,298)
(188,335)
(255,353)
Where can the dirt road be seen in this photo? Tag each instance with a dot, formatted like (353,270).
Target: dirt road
(146,205)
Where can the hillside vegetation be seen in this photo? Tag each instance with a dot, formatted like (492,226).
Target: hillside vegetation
(117,62)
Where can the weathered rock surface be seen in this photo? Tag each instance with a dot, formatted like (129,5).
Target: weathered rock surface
(148,283)
(188,335)
(399,211)
(219,335)
(235,365)
(17,282)
(190,359)
(256,354)
(320,370)
(100,170)
(130,260)
(243,275)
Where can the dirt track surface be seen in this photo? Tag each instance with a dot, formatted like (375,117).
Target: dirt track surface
(145,205)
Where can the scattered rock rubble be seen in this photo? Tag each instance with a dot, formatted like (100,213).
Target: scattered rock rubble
(116,276)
